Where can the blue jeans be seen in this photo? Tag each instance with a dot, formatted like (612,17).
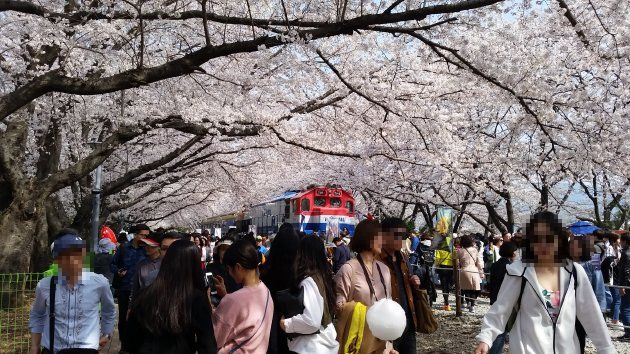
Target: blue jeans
(498,344)
(625,312)
(616,303)
(596,278)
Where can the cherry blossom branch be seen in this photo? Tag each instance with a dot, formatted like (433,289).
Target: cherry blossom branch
(181,208)
(476,218)
(27,7)
(316,104)
(310,148)
(569,15)
(56,81)
(124,134)
(127,179)
(392,6)
(352,88)
(206,31)
(465,64)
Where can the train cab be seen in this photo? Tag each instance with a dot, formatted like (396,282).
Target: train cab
(324,210)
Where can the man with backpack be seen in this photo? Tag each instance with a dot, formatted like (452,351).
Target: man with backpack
(73,311)
(124,266)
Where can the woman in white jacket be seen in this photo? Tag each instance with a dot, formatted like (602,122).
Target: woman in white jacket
(316,332)
(552,303)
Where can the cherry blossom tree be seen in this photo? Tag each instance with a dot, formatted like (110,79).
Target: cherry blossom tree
(494,108)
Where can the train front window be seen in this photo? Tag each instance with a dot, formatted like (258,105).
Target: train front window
(320,202)
(335,202)
(306,205)
(350,207)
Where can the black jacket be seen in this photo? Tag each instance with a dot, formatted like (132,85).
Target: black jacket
(101,266)
(497,273)
(340,256)
(623,268)
(276,280)
(199,338)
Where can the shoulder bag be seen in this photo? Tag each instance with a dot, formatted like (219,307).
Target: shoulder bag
(290,303)
(51,316)
(369,281)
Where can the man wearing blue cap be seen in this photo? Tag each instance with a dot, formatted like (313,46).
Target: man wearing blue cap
(83,310)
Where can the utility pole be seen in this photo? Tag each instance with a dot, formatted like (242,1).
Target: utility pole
(96,207)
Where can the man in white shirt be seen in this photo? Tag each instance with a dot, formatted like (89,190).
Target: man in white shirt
(84,311)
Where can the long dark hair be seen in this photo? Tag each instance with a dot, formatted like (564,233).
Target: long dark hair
(277,273)
(312,262)
(555,225)
(165,306)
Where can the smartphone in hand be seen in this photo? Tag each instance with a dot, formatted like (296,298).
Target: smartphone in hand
(210,283)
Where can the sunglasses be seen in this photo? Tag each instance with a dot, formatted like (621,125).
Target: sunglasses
(544,238)
(400,235)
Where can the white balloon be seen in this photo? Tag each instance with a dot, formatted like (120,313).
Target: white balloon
(386,320)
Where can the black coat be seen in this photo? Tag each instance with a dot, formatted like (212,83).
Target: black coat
(199,338)
(276,280)
(623,268)
(101,266)
(497,273)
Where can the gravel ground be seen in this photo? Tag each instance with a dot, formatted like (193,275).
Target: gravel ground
(457,335)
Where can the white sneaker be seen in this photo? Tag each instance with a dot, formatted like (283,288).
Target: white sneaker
(617,325)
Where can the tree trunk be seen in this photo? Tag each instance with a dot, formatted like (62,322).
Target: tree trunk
(493,216)
(461,212)
(544,195)
(24,236)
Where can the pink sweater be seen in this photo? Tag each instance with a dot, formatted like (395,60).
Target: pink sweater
(241,315)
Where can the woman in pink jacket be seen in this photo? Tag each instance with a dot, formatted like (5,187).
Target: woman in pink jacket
(242,321)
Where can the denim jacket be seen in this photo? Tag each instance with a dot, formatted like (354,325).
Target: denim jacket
(596,278)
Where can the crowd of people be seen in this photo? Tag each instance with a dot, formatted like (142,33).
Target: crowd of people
(192,293)
(293,293)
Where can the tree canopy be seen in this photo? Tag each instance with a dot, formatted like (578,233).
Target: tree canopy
(198,107)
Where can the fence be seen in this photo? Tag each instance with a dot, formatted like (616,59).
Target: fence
(17,292)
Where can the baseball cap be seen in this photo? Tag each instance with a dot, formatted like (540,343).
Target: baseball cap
(224,242)
(67,242)
(106,245)
(150,241)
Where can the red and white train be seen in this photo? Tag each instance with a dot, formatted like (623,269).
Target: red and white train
(318,209)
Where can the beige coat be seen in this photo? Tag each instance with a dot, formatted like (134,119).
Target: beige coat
(471,268)
(350,287)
